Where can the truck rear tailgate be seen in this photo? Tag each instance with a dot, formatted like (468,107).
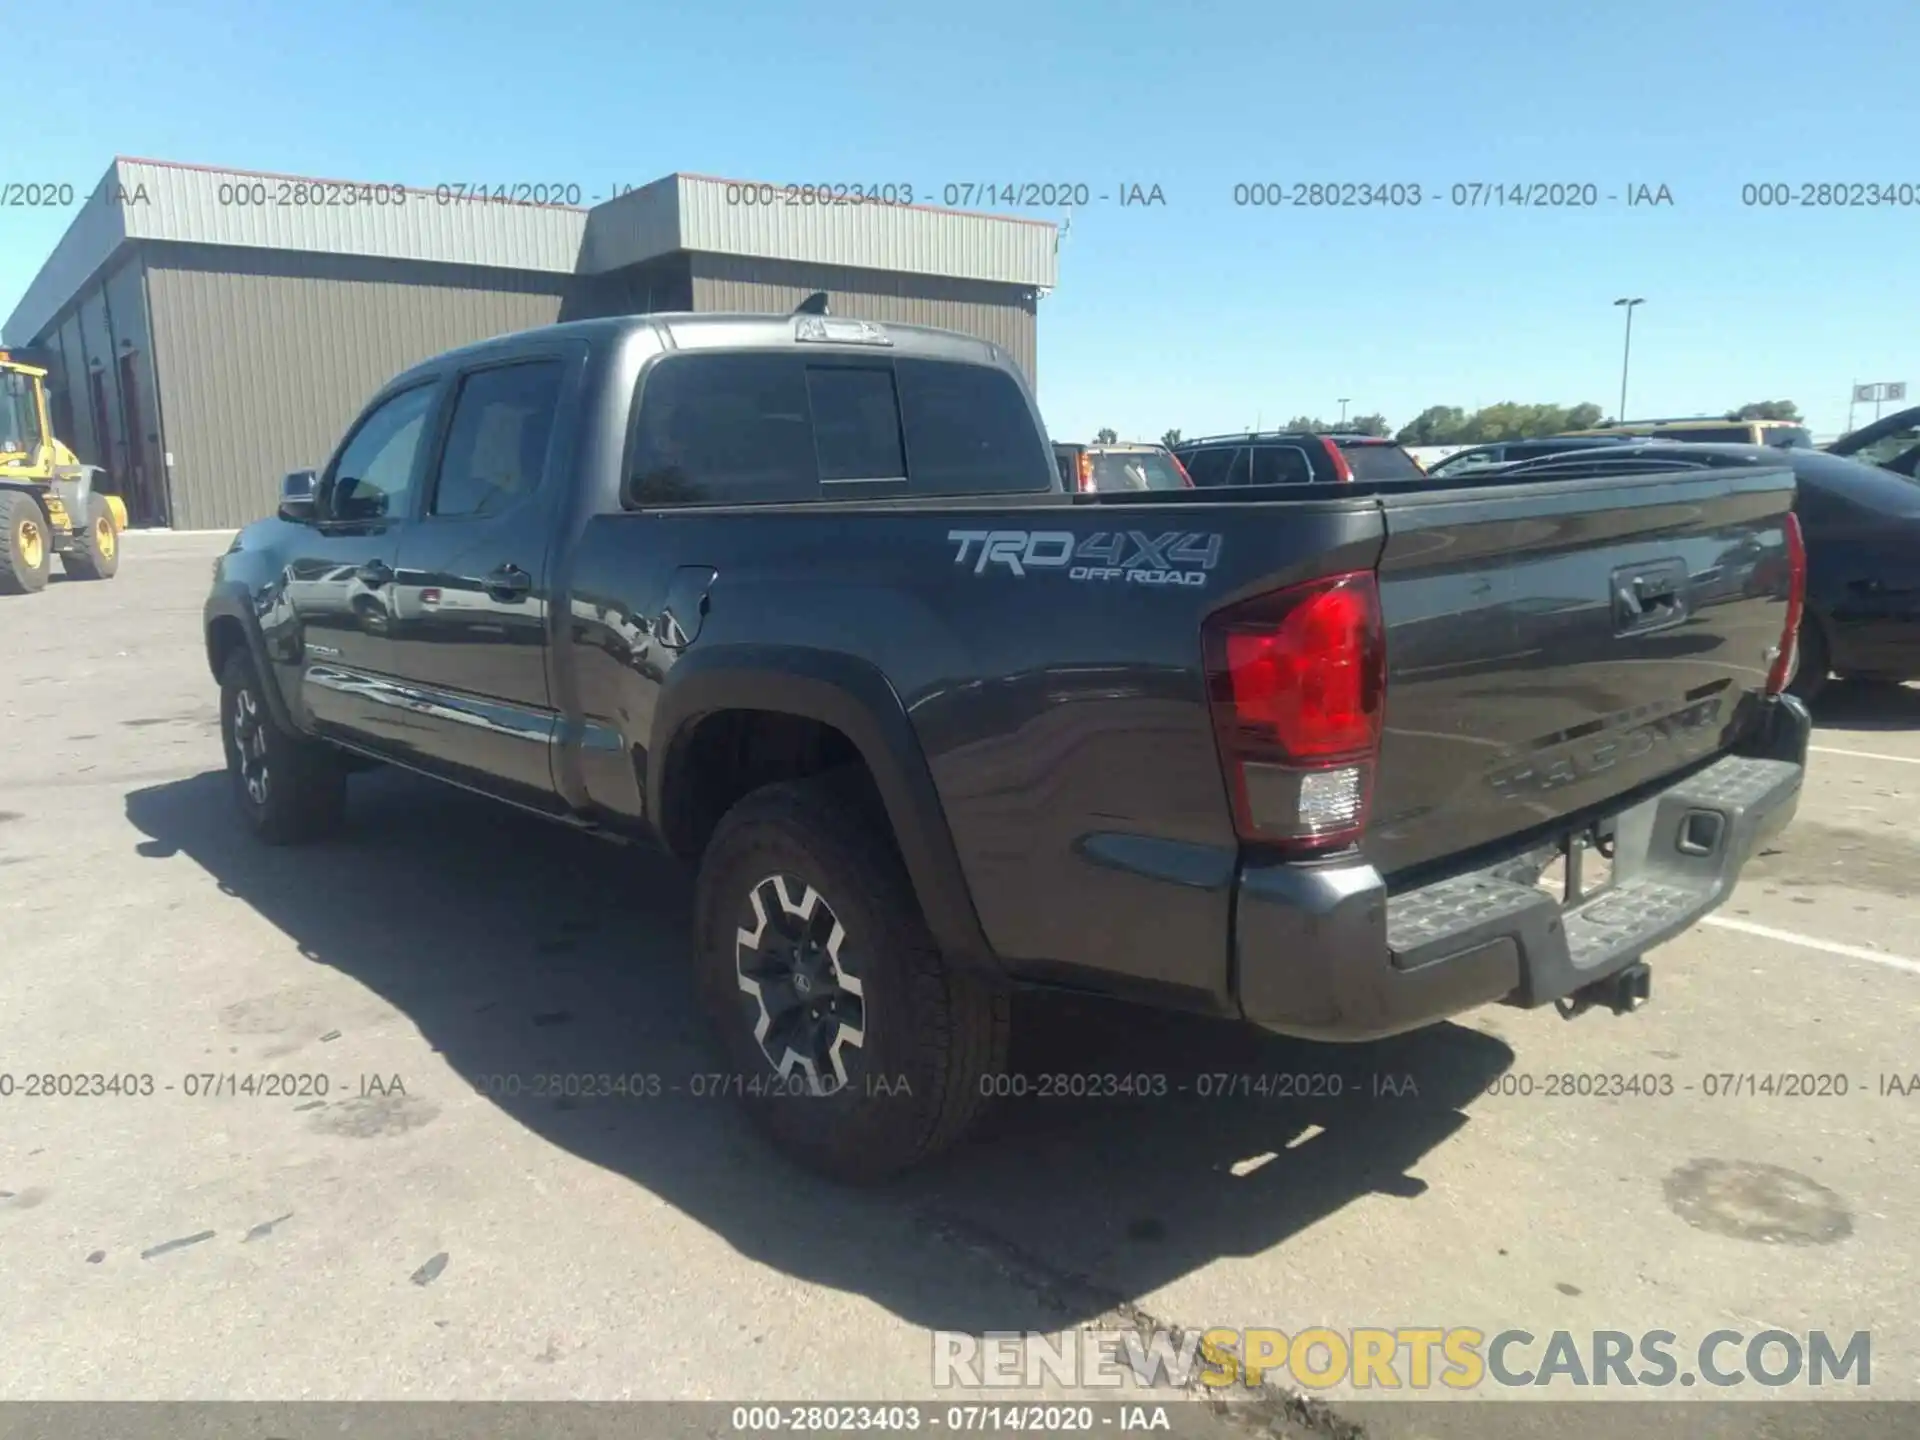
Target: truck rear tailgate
(1554,645)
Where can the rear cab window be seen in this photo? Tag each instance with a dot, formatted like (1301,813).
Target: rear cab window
(779,427)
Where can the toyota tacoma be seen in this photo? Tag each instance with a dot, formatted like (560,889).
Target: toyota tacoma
(803,600)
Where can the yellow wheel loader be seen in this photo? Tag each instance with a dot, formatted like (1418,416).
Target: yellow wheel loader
(48,505)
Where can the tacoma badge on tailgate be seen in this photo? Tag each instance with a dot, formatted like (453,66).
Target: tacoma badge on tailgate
(1178,557)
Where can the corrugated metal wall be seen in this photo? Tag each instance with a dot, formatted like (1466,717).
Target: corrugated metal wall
(264,357)
(721,217)
(1004,314)
(240,207)
(912,238)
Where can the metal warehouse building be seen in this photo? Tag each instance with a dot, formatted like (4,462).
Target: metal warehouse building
(208,330)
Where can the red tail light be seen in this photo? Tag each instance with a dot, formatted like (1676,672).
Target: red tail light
(1782,670)
(1086,472)
(1185,478)
(1342,471)
(1297,683)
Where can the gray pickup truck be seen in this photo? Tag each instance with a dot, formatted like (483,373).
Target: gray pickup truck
(804,601)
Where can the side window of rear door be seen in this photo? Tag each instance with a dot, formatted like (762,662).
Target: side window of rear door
(496,450)
(1208,467)
(730,429)
(1280,465)
(373,477)
(1239,471)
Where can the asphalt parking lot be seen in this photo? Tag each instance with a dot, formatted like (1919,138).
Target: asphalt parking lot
(420,1232)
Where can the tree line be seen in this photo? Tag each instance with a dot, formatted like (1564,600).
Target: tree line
(1509,420)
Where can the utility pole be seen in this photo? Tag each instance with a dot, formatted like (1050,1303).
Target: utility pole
(1626,355)
(1343,414)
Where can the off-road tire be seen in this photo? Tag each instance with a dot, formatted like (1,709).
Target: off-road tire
(96,549)
(302,794)
(933,1035)
(1813,665)
(26,544)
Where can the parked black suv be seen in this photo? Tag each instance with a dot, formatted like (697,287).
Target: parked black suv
(1293,457)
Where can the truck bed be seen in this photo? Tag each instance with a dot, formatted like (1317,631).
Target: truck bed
(1061,704)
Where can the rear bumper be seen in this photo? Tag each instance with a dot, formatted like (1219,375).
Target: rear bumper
(1325,952)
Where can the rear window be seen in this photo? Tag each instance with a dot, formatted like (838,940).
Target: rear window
(969,431)
(725,430)
(856,423)
(771,428)
(1889,447)
(1209,467)
(1135,470)
(1380,462)
(1787,437)
(1472,460)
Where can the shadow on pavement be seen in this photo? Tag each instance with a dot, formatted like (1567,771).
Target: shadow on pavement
(520,949)
(1865,705)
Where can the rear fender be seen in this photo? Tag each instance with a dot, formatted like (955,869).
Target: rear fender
(854,698)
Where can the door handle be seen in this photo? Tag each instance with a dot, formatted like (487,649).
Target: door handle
(508,583)
(373,574)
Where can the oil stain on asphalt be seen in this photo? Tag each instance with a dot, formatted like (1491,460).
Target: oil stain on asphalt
(1747,1200)
(372,1116)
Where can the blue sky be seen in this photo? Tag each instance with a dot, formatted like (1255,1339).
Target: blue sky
(1198,314)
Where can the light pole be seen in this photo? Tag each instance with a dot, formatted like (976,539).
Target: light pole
(1626,354)
(1343,414)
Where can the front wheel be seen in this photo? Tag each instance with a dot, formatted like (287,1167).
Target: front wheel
(859,1049)
(26,544)
(290,789)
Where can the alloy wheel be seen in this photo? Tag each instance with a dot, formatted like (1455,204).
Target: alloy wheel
(250,744)
(791,961)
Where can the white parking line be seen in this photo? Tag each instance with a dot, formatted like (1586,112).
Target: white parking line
(1864,754)
(1832,947)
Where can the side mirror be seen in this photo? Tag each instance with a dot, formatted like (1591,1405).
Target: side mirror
(299,496)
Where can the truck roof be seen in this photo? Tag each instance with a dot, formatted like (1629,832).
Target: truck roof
(717,330)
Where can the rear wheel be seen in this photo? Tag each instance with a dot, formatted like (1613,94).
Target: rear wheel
(290,789)
(96,552)
(858,1049)
(26,543)
(1812,664)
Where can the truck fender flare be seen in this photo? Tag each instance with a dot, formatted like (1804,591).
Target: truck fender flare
(231,603)
(854,698)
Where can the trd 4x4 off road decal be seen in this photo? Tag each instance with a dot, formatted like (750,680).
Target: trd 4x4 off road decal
(1179,557)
